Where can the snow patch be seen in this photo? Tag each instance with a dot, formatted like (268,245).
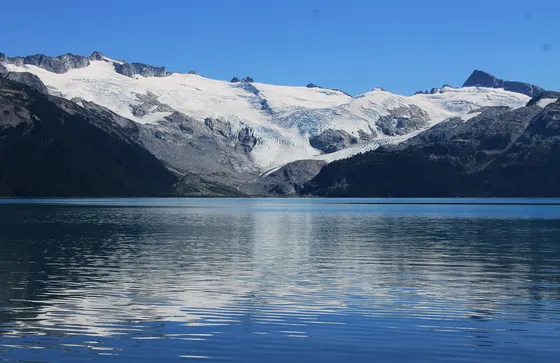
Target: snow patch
(546,101)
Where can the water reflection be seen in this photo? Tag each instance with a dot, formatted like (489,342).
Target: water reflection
(230,280)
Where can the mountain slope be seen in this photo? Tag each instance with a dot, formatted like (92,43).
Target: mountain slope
(51,147)
(499,153)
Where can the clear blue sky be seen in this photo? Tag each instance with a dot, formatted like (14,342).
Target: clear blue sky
(355,45)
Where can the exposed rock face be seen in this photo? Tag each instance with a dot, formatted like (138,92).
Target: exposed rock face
(312,85)
(17,61)
(28,79)
(96,56)
(259,102)
(403,120)
(52,147)
(249,88)
(3,70)
(490,132)
(61,64)
(288,180)
(330,141)
(235,80)
(149,104)
(483,79)
(367,137)
(13,111)
(544,95)
(248,79)
(220,127)
(132,69)
(499,153)
(209,149)
(247,139)
(64,63)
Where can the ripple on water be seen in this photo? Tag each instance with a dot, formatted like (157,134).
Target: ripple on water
(289,281)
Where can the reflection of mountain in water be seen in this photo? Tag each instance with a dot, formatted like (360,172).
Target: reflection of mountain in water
(94,270)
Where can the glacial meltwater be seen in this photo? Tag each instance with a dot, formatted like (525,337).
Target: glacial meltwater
(279,280)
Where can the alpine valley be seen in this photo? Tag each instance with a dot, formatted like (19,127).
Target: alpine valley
(80,126)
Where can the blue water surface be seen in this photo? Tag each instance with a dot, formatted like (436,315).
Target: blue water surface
(277,280)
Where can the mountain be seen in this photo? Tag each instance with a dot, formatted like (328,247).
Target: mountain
(501,152)
(240,136)
(50,146)
(282,119)
(483,79)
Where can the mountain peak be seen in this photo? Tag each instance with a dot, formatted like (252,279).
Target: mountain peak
(480,78)
(483,79)
(97,55)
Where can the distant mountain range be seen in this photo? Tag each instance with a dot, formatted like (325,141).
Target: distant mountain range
(95,126)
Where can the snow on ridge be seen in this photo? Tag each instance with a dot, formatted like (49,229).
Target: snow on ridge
(282,117)
(546,101)
(297,96)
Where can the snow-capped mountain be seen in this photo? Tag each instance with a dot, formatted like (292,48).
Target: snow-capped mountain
(268,125)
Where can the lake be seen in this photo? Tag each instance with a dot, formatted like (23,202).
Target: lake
(279,280)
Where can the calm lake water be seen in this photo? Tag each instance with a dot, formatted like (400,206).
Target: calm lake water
(299,280)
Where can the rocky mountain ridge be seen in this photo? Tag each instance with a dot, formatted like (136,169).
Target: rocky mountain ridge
(482,79)
(501,152)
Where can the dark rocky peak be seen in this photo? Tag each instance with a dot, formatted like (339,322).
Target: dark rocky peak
(65,62)
(132,69)
(96,56)
(61,64)
(235,80)
(482,79)
(312,85)
(3,70)
(194,72)
(18,61)
(248,79)
(145,70)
